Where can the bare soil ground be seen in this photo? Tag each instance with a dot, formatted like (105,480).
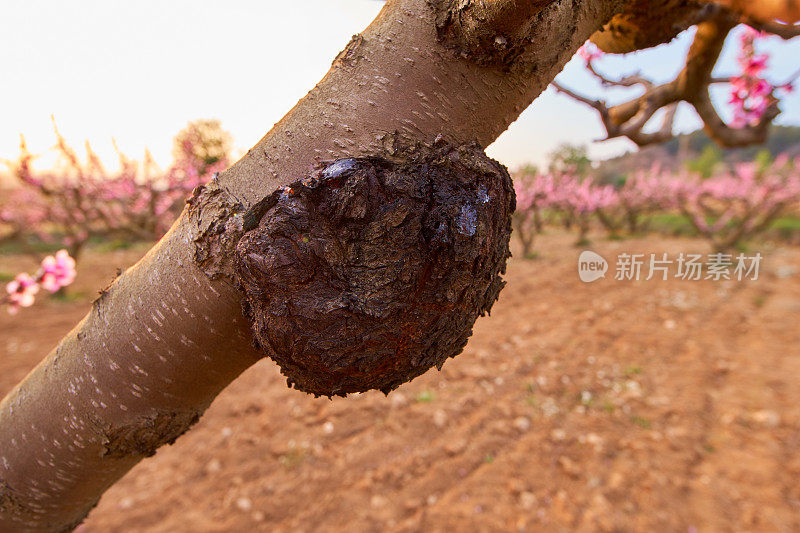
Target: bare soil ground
(613,406)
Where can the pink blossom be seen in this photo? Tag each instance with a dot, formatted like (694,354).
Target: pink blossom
(58,271)
(83,199)
(749,34)
(21,292)
(755,65)
(534,192)
(751,94)
(734,205)
(760,89)
(589,52)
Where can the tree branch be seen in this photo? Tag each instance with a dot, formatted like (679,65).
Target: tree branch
(643,24)
(783,30)
(767,10)
(692,84)
(597,104)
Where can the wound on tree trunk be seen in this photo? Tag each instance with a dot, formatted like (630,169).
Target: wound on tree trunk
(147,435)
(497,33)
(375,270)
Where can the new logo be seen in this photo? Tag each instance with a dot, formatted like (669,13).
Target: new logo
(591,266)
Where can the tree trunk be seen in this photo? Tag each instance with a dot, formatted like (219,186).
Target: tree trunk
(169,334)
(538,223)
(609,222)
(633,221)
(526,232)
(583,230)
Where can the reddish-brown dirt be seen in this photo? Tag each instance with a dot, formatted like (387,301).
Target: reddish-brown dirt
(627,406)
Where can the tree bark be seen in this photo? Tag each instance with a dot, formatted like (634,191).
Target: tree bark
(168,334)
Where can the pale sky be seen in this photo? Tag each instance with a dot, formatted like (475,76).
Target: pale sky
(138,71)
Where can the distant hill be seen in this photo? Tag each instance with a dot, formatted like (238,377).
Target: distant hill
(696,148)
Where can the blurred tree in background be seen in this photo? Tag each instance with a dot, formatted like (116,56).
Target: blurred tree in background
(202,143)
(570,158)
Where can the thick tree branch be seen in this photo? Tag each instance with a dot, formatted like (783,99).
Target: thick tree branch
(643,23)
(729,137)
(492,31)
(784,10)
(164,339)
(783,30)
